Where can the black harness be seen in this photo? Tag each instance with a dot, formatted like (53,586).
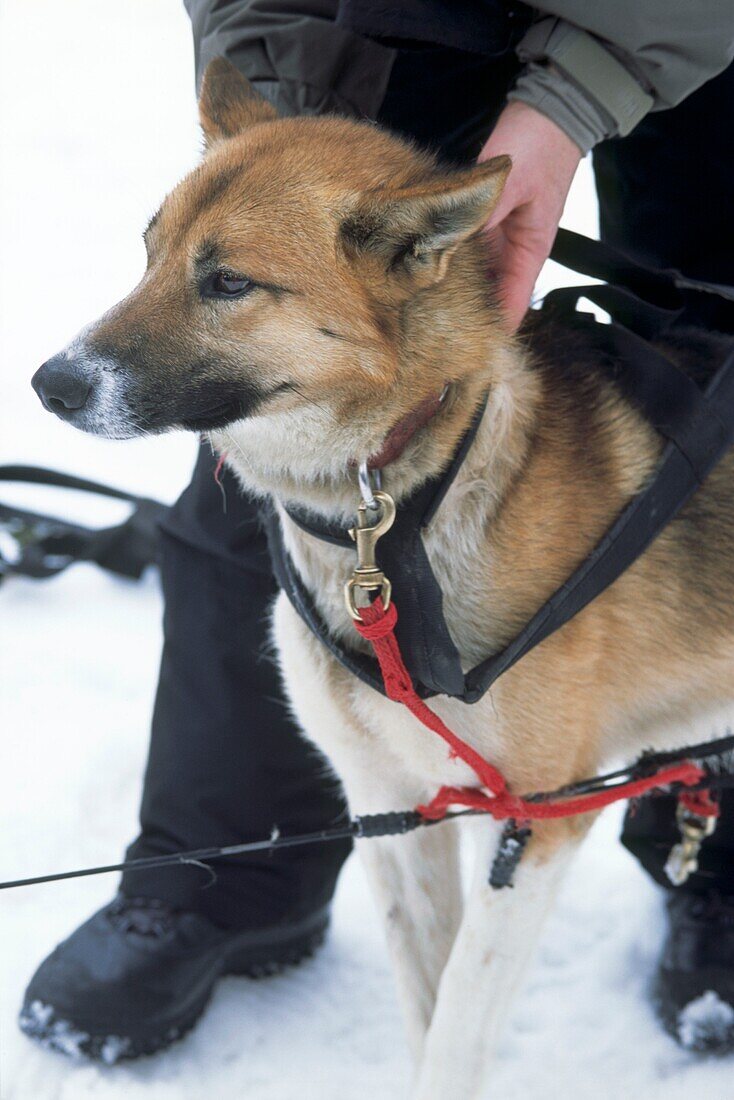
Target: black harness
(697,424)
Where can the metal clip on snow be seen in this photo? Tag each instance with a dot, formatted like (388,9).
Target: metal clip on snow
(40,546)
(368,577)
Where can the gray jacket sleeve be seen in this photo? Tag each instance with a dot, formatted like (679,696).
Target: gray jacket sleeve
(596,67)
(302,63)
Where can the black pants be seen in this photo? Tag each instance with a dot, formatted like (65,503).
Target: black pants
(226,760)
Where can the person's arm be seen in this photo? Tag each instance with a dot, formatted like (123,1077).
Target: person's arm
(593,71)
(294,54)
(597,68)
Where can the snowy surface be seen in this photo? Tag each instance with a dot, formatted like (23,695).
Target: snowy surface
(98,122)
(708,1019)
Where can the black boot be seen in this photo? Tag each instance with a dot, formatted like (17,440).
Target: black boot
(139,973)
(694,986)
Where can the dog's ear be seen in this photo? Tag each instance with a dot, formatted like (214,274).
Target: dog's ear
(415,230)
(228,103)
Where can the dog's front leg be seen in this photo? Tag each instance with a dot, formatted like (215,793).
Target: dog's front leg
(414,878)
(415,885)
(495,942)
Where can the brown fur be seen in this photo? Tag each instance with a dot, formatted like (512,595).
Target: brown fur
(331,218)
(372,293)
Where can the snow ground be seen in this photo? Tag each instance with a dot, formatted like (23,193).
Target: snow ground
(98,121)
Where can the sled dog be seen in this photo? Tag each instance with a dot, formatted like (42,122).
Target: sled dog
(309,286)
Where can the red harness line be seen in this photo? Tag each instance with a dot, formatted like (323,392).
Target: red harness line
(378,627)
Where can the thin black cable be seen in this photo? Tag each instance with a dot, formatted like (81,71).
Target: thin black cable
(369,825)
(405,821)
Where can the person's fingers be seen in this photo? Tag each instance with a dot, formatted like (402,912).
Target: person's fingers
(516,287)
(524,222)
(516,262)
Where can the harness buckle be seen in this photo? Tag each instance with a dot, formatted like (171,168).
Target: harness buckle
(367,576)
(683,859)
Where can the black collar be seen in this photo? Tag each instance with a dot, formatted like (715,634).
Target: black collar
(421,505)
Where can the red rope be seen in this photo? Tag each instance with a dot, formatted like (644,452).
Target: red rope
(701,803)
(378,627)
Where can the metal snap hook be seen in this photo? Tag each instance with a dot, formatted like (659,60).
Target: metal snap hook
(367,576)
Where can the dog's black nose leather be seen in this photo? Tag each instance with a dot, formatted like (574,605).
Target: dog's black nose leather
(62,385)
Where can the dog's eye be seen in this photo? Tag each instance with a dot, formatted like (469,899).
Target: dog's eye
(221,284)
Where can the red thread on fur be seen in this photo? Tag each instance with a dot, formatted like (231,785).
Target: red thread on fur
(378,627)
(218,470)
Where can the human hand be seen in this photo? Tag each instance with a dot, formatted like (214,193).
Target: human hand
(524,223)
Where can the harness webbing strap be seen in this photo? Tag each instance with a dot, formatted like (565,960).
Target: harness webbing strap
(669,398)
(599,260)
(667,288)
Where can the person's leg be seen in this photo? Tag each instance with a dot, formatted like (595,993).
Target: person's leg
(226,762)
(665,190)
(226,759)
(665,198)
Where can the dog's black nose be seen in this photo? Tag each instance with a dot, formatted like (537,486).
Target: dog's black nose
(62,385)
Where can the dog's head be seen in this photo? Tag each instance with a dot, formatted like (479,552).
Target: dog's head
(298,282)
